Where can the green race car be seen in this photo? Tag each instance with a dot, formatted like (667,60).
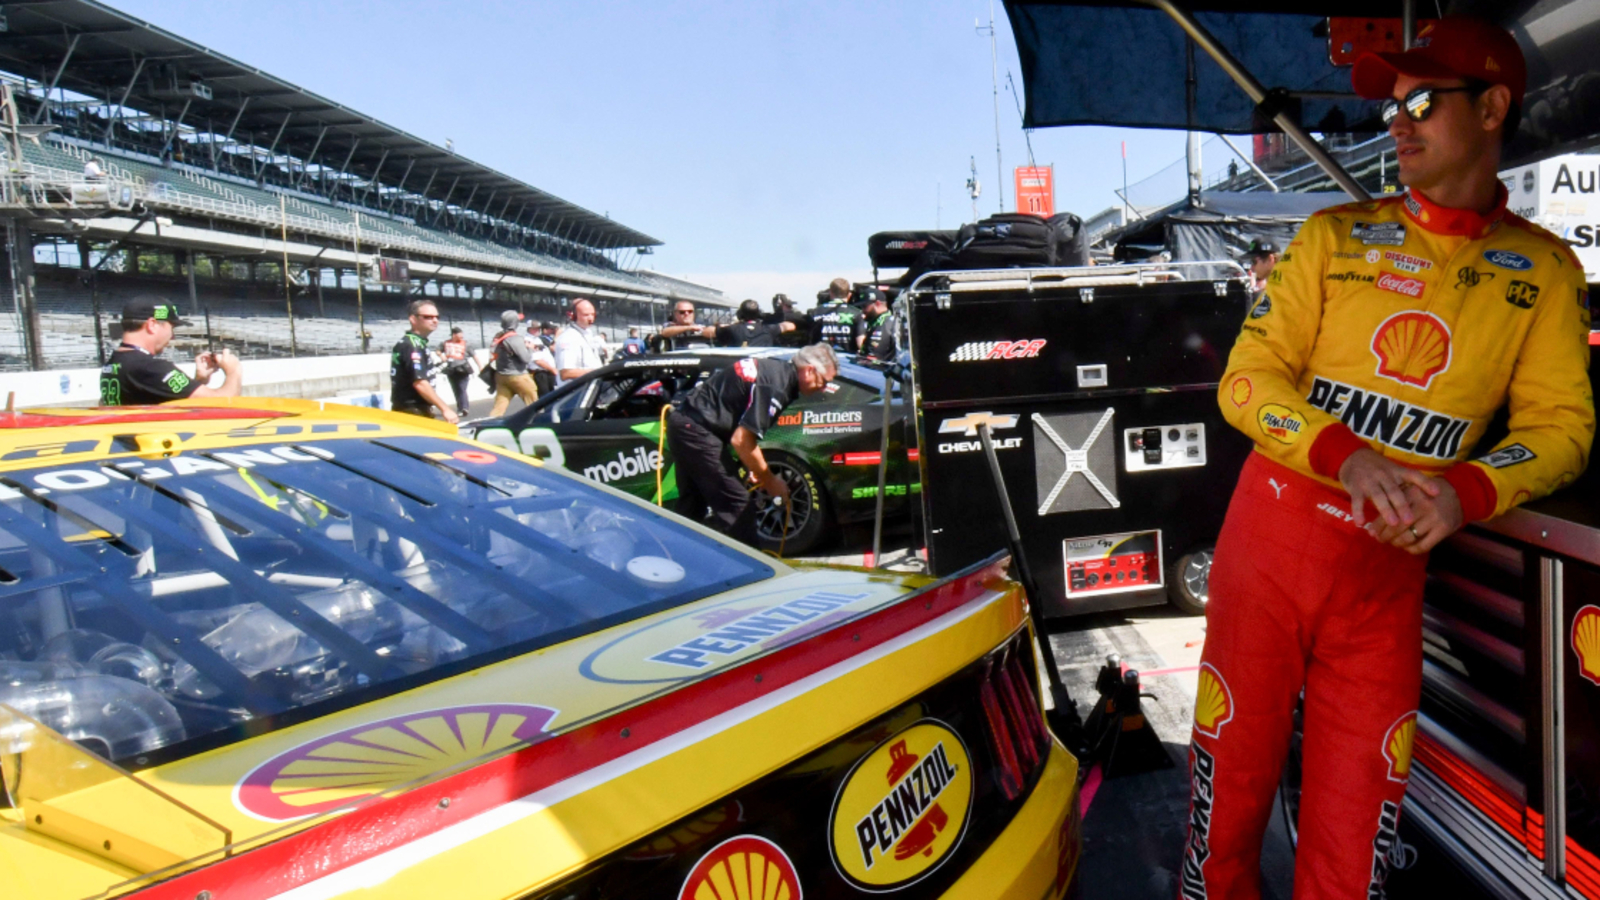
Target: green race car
(606,425)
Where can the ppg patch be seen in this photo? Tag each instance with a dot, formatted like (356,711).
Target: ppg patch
(1509,455)
(1521,294)
(1369,233)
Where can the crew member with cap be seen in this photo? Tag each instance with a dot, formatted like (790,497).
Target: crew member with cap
(879,343)
(579,347)
(836,322)
(748,330)
(136,374)
(1259,260)
(1366,374)
(510,356)
(410,370)
(783,311)
(541,362)
(734,408)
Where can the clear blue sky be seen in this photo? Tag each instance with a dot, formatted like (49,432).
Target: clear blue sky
(762,141)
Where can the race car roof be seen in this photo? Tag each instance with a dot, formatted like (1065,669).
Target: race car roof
(1123,62)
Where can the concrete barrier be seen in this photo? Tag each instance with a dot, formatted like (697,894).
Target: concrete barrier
(361,379)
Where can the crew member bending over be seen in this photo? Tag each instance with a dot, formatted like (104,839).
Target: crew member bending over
(735,407)
(1366,374)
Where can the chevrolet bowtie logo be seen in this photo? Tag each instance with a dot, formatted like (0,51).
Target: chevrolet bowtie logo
(968,424)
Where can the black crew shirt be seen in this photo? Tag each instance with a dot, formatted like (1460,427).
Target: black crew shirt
(408,364)
(748,334)
(838,324)
(749,393)
(132,377)
(879,342)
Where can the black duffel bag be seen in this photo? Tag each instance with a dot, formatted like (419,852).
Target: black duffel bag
(1004,240)
(1071,242)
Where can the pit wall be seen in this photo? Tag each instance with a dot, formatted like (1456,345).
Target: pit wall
(362,380)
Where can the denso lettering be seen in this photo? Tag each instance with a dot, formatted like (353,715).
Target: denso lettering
(1391,422)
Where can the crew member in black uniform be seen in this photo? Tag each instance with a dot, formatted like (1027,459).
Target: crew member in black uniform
(735,407)
(410,370)
(783,311)
(749,330)
(684,333)
(837,323)
(136,374)
(879,343)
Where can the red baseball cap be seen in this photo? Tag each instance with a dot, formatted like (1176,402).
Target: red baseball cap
(1451,47)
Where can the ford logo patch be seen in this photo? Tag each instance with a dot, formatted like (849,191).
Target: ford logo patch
(1505,259)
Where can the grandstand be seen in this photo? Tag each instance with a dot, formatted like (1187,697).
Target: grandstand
(141,161)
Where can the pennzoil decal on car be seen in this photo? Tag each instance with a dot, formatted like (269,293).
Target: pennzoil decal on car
(368,759)
(902,809)
(691,643)
(1505,259)
(976,351)
(746,867)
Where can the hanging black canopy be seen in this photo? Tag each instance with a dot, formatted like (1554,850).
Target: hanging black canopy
(1122,62)
(1220,226)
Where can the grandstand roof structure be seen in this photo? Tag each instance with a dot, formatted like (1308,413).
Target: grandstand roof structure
(96,51)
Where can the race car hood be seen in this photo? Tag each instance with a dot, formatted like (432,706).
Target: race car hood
(83,836)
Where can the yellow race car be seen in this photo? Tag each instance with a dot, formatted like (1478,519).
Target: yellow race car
(268,648)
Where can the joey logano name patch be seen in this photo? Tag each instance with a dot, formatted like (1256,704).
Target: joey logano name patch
(978,351)
(1390,422)
(903,808)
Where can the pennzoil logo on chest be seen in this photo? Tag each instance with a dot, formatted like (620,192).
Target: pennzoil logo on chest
(903,808)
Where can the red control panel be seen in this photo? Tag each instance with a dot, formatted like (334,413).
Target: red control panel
(1139,569)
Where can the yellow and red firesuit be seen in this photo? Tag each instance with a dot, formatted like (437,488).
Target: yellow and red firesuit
(1401,326)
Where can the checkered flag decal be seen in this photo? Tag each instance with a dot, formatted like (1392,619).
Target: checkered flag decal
(974,350)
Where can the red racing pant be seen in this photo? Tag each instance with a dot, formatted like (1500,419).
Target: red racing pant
(1302,598)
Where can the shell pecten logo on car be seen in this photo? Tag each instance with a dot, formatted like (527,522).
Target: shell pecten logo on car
(1412,348)
(1586,642)
(746,867)
(373,757)
(903,808)
(1397,746)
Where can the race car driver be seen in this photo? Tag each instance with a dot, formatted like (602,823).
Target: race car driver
(1388,336)
(734,408)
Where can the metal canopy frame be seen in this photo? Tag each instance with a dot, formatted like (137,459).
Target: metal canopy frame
(88,48)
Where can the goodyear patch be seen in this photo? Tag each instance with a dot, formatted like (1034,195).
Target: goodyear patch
(903,808)
(1281,423)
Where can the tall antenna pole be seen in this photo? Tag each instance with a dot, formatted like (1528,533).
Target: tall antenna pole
(973,187)
(1026,135)
(994,82)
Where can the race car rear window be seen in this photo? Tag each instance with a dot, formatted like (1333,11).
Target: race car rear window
(150,609)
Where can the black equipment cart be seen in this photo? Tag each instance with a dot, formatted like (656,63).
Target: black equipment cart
(1099,387)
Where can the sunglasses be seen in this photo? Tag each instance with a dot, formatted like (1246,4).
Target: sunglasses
(1419,103)
(683,312)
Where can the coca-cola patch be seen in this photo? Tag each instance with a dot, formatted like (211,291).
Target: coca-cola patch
(1411,287)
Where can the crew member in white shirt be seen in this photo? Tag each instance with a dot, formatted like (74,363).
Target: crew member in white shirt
(578,347)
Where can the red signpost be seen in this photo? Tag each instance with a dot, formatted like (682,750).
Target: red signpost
(1036,190)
